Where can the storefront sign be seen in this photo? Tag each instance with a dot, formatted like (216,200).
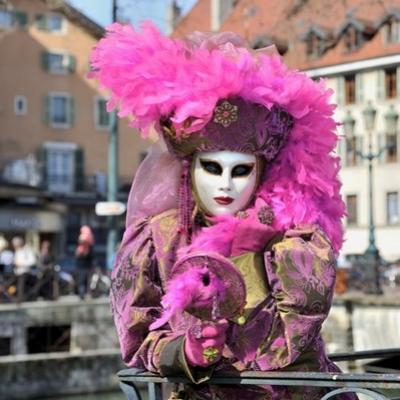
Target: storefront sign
(108,208)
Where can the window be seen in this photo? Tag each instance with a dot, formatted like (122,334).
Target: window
(60,177)
(391,145)
(58,62)
(393,31)
(54,23)
(350,89)
(352,39)
(313,45)
(20,105)
(63,166)
(59,110)
(51,23)
(391,83)
(351,203)
(6,19)
(102,117)
(392,207)
(12,18)
(353,145)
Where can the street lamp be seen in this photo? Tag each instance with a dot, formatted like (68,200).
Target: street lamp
(348,124)
(372,257)
(112,191)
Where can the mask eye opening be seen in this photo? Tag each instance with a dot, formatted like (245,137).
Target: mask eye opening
(212,167)
(242,170)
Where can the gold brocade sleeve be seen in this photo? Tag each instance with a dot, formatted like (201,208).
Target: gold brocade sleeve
(301,273)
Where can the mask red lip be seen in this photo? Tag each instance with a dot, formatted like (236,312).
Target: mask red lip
(223,201)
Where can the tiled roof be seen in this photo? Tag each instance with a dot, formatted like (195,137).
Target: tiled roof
(75,15)
(289,21)
(198,19)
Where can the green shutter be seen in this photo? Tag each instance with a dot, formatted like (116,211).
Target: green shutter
(380,87)
(340,90)
(45,60)
(79,169)
(71,63)
(46,110)
(21,18)
(71,111)
(41,156)
(41,22)
(359,88)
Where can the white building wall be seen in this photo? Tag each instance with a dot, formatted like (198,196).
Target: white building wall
(386,176)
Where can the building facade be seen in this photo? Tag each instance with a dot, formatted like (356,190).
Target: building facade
(54,125)
(355,46)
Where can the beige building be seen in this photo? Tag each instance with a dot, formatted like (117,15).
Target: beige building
(53,123)
(355,46)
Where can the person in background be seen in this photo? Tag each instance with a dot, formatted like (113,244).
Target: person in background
(48,287)
(6,257)
(7,288)
(24,263)
(84,259)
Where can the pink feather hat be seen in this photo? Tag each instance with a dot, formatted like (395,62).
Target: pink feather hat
(153,78)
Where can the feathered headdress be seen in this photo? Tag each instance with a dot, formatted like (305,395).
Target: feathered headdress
(178,85)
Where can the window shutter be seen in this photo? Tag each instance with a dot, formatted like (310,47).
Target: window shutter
(79,169)
(340,90)
(381,89)
(41,22)
(71,63)
(21,18)
(71,111)
(47,110)
(359,88)
(45,61)
(381,145)
(41,156)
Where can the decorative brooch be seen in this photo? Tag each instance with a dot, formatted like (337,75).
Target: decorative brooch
(225,114)
(266,215)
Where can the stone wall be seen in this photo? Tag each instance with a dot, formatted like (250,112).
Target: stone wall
(42,375)
(91,322)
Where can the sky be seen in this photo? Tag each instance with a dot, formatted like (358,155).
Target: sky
(134,11)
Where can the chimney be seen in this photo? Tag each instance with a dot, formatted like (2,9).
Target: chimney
(173,15)
(220,10)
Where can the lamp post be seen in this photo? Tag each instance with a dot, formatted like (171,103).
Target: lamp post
(112,174)
(372,256)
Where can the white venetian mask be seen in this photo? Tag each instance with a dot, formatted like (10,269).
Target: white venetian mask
(224,181)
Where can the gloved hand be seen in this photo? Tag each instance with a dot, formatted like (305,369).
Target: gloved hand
(204,343)
(251,235)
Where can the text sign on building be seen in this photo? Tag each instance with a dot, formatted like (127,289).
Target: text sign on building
(108,208)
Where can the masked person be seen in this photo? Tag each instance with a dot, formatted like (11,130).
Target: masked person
(233,223)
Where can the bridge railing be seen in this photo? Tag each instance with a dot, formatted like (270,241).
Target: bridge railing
(378,386)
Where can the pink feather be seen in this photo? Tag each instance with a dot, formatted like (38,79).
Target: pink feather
(151,76)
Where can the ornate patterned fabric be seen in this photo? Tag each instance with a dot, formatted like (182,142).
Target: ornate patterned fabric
(237,125)
(289,288)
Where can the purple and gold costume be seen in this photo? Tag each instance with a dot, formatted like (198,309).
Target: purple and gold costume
(289,288)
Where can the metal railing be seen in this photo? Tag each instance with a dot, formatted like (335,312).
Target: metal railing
(378,386)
